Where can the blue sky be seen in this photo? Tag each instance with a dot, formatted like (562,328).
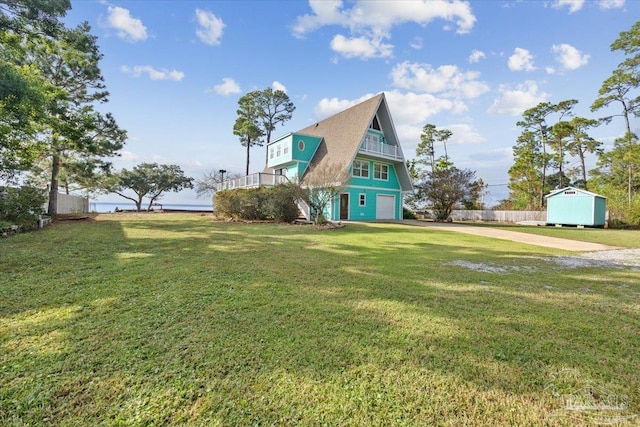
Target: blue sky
(176,69)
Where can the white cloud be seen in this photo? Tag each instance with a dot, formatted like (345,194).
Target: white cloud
(416,43)
(276,85)
(154,74)
(569,57)
(521,60)
(514,101)
(361,47)
(550,70)
(128,156)
(227,87)
(611,4)
(370,22)
(210,27)
(476,56)
(447,80)
(408,109)
(573,5)
(129,28)
(463,133)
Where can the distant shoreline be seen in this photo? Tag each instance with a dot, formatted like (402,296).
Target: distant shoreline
(109,207)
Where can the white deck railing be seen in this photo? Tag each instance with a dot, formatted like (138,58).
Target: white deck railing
(252,181)
(371,147)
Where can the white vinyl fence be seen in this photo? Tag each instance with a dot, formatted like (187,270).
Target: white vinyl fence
(498,216)
(72,204)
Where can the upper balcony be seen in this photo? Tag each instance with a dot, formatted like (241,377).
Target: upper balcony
(252,181)
(372,147)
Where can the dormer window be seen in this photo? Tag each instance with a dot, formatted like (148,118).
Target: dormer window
(375,124)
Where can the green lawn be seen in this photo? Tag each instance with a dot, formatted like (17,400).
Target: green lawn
(165,319)
(620,238)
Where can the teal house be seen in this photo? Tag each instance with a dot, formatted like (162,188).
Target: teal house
(360,140)
(574,206)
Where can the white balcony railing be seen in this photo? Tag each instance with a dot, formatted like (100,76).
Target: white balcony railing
(384,150)
(252,181)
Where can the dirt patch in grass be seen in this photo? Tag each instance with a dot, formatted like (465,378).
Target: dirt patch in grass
(624,258)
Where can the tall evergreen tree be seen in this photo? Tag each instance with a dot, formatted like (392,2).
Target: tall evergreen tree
(75,135)
(247,125)
(274,107)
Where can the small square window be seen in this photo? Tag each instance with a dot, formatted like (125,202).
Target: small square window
(363,199)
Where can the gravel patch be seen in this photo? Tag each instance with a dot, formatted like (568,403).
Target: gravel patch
(622,258)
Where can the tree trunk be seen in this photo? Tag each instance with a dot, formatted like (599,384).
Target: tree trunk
(248,148)
(266,150)
(52,209)
(584,168)
(139,204)
(544,167)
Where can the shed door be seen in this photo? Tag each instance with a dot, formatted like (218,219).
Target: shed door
(385,207)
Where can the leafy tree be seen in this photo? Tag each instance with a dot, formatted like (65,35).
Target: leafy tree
(629,43)
(580,143)
(618,89)
(475,198)
(21,206)
(525,175)
(535,120)
(559,142)
(247,125)
(444,188)
(24,92)
(274,107)
(425,152)
(321,185)
(149,180)
(75,131)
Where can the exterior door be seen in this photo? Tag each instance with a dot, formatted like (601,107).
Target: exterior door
(344,206)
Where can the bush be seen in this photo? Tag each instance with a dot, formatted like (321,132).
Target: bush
(277,203)
(21,206)
(408,214)
(281,205)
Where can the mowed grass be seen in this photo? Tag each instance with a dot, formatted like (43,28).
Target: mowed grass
(175,319)
(611,237)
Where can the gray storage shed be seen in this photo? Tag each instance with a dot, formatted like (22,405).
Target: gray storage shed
(574,206)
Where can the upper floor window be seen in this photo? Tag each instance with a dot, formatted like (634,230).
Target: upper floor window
(375,124)
(278,150)
(271,151)
(381,171)
(361,168)
(285,149)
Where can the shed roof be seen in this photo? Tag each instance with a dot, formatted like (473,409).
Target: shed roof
(578,190)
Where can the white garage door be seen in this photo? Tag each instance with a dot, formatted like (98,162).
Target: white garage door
(385,207)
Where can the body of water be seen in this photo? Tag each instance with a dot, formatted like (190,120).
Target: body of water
(102,207)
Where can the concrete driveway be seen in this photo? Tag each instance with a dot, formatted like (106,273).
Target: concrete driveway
(531,239)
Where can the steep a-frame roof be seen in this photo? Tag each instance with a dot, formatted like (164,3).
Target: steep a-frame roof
(343,132)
